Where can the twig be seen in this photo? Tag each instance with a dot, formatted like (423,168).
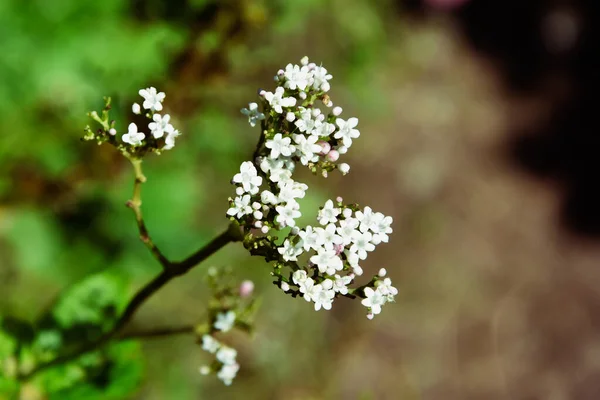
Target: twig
(157,332)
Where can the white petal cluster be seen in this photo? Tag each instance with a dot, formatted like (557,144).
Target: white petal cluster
(226,356)
(295,131)
(159,128)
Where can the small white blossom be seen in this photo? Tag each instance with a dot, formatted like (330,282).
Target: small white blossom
(299,277)
(132,136)
(323,297)
(347,228)
(321,78)
(225,321)
(280,145)
(374,300)
(385,288)
(367,219)
(346,130)
(289,252)
(210,344)
(344,168)
(307,148)
(296,77)
(310,239)
(241,206)
(152,99)
(248,177)
(341,283)
(329,238)
(160,126)
(381,227)
(362,244)
(287,214)
(170,139)
(327,261)
(228,373)
(226,355)
(277,101)
(328,214)
(290,190)
(253,114)
(268,198)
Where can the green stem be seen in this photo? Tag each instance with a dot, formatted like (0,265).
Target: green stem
(136,205)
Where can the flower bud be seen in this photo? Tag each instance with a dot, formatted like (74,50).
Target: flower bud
(295,230)
(333,156)
(339,199)
(358,270)
(246,289)
(136,108)
(344,168)
(290,117)
(370,315)
(256,205)
(205,370)
(320,117)
(337,111)
(315,112)
(325,147)
(342,149)
(382,272)
(304,60)
(262,92)
(112,131)
(347,213)
(239,191)
(258,224)
(324,173)
(284,286)
(258,215)
(264,229)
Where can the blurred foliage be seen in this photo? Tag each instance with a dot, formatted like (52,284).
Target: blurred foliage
(61,201)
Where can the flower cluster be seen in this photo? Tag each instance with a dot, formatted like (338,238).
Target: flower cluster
(225,357)
(161,134)
(324,260)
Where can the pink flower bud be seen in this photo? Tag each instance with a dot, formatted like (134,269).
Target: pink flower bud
(325,147)
(370,315)
(338,249)
(333,156)
(339,199)
(246,288)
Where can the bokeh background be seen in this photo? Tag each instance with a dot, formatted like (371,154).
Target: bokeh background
(459,102)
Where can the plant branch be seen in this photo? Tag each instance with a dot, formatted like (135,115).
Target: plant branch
(157,332)
(172,271)
(136,205)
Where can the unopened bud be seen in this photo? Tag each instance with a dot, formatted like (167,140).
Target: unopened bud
(258,224)
(205,370)
(382,272)
(246,288)
(337,111)
(302,95)
(347,213)
(136,108)
(333,156)
(258,215)
(370,315)
(295,230)
(304,60)
(239,191)
(325,147)
(264,229)
(284,286)
(344,168)
(112,131)
(339,199)
(342,149)
(290,117)
(358,270)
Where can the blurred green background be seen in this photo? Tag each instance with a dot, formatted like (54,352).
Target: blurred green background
(468,255)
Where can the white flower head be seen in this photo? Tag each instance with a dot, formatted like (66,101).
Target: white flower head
(248,178)
(210,344)
(328,214)
(228,373)
(160,126)
(152,99)
(277,101)
(132,136)
(241,206)
(346,130)
(280,145)
(225,321)
(374,300)
(253,114)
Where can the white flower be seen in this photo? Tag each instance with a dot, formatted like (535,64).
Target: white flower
(306,123)
(277,101)
(241,206)
(152,99)
(327,261)
(132,136)
(287,214)
(210,344)
(160,126)
(253,114)
(323,297)
(310,290)
(226,355)
(248,177)
(280,145)
(280,175)
(321,77)
(225,321)
(296,77)
(381,227)
(347,228)
(324,129)
(306,148)
(299,277)
(362,244)
(328,214)
(267,197)
(310,239)
(329,237)
(346,130)
(289,252)
(290,190)
(385,288)
(228,373)
(170,139)
(367,219)
(341,284)
(374,300)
